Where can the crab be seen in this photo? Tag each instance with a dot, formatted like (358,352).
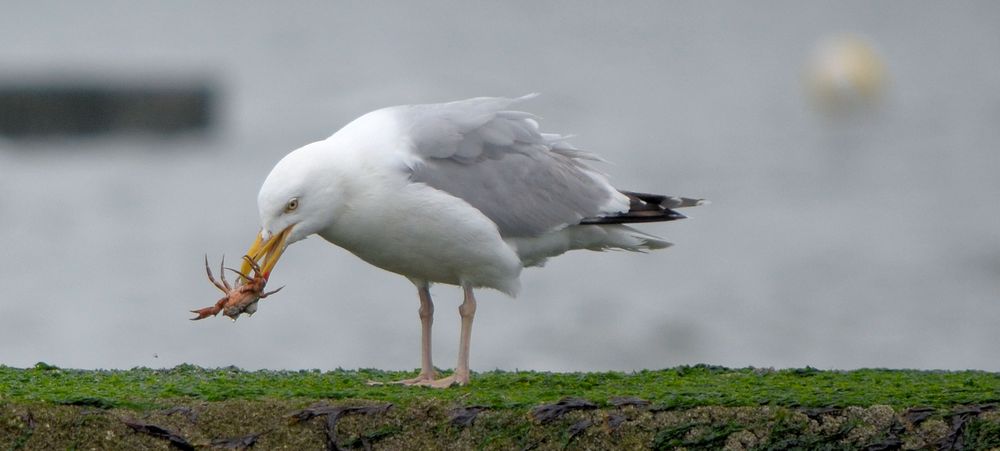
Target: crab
(238,299)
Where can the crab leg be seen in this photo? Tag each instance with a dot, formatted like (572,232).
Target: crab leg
(222,273)
(253,265)
(264,295)
(244,276)
(225,289)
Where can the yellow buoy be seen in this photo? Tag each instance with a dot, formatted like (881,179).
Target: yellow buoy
(845,75)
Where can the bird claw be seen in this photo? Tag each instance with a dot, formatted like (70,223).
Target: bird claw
(425,380)
(444,382)
(422,378)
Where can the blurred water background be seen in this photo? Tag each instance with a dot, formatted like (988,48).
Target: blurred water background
(864,239)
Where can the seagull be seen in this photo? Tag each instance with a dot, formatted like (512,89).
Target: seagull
(465,193)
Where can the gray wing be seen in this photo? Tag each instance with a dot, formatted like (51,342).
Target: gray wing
(495,159)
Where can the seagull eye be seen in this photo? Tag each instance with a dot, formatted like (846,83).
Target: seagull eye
(292,204)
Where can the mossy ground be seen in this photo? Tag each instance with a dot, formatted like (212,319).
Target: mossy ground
(698,407)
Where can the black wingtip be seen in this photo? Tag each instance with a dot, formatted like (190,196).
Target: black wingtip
(645,207)
(673,215)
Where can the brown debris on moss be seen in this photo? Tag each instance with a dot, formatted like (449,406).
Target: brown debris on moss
(265,424)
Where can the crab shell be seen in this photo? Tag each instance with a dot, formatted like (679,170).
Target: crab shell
(247,305)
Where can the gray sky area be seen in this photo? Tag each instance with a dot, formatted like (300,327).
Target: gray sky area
(869,238)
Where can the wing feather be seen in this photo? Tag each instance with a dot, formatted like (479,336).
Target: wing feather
(494,158)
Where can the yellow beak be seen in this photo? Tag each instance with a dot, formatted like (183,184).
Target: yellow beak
(266,253)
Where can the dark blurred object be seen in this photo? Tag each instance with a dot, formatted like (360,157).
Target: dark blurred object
(42,111)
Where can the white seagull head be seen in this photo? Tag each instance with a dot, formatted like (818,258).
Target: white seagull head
(294,202)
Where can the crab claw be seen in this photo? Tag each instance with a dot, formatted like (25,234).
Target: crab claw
(207,312)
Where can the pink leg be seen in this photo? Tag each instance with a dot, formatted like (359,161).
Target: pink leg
(427,373)
(461,375)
